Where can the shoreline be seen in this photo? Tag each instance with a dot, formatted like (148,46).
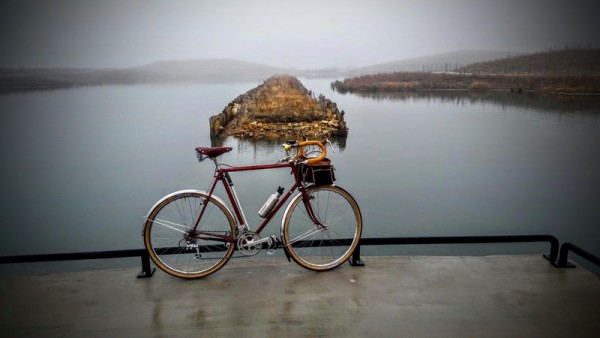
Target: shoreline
(466,90)
(349,85)
(584,85)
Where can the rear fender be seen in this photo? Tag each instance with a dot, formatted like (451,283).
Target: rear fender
(215,198)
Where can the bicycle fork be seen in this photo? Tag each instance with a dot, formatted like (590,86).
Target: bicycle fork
(311,212)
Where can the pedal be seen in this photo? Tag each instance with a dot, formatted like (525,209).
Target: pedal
(274,244)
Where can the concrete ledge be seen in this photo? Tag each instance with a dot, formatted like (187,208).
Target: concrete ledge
(491,296)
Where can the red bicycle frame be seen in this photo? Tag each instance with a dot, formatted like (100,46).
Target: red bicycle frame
(222,175)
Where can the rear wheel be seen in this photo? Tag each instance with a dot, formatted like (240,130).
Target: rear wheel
(326,245)
(182,252)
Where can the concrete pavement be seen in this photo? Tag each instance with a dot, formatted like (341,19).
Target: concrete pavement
(491,296)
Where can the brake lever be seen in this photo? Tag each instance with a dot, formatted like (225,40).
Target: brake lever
(327,141)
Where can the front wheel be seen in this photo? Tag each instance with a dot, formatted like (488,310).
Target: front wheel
(330,242)
(178,249)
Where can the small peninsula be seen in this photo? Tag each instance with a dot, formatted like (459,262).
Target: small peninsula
(280,108)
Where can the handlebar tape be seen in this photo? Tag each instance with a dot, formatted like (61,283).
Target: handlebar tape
(320,158)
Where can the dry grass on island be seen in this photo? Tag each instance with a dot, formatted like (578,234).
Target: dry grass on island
(280,108)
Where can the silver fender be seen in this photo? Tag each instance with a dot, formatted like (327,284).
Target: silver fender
(286,212)
(230,214)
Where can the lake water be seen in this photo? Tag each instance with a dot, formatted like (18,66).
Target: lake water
(82,166)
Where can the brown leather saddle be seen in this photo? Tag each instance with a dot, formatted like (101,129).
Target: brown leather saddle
(212,152)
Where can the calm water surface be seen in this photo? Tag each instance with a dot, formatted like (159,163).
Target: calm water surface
(81,167)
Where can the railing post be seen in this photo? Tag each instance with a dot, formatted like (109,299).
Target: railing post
(563,260)
(554,245)
(147,270)
(355,258)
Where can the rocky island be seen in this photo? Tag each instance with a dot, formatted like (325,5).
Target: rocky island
(280,108)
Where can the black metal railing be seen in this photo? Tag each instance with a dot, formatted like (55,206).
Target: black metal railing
(563,261)
(552,256)
(146,272)
(558,258)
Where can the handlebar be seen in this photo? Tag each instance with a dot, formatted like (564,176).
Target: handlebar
(319,158)
(301,144)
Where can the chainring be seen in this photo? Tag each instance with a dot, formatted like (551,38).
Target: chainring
(249,243)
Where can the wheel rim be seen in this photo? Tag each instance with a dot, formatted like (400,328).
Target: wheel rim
(325,248)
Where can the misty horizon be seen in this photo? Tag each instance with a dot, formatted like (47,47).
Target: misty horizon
(306,35)
(250,63)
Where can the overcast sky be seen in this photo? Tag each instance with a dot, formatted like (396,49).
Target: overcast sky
(301,34)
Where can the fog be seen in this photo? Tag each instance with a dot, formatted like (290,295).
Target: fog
(301,34)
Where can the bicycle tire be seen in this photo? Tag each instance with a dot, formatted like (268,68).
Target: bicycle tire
(316,248)
(172,218)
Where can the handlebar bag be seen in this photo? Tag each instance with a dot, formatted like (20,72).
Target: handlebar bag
(320,173)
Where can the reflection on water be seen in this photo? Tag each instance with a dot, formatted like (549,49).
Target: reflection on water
(582,104)
(260,147)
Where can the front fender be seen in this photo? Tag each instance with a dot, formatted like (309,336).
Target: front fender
(285,213)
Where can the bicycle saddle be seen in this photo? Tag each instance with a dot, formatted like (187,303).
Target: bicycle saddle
(213,152)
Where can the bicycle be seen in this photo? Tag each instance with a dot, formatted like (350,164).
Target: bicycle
(192,233)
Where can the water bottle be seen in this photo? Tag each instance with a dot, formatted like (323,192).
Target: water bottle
(270,203)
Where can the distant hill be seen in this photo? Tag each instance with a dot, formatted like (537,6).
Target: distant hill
(202,70)
(557,62)
(568,71)
(438,62)
(564,62)
(197,70)
(206,70)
